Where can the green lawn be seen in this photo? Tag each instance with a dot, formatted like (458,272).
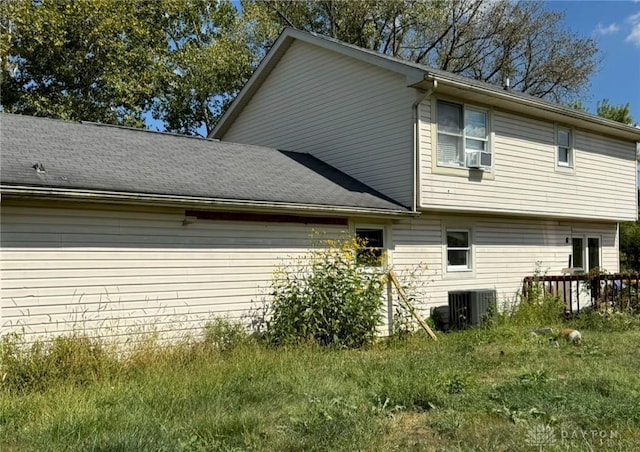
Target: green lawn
(474,390)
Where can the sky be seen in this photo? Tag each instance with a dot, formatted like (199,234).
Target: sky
(615,26)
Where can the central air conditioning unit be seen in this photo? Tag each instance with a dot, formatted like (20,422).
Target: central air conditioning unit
(469,307)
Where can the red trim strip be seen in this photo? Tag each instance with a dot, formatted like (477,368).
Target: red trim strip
(266,218)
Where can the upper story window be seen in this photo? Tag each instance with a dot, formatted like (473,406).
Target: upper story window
(564,140)
(463,136)
(372,254)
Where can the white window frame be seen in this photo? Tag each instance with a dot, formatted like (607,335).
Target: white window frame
(587,265)
(463,137)
(382,249)
(469,249)
(569,164)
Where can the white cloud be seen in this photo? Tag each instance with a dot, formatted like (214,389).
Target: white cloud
(606,29)
(634,36)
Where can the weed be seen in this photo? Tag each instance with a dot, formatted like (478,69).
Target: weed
(468,388)
(607,320)
(517,416)
(535,377)
(457,384)
(223,334)
(327,298)
(76,359)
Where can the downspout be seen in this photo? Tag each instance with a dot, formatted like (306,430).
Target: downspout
(416,144)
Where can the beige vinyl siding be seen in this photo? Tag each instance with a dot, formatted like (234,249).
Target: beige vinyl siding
(525,178)
(117,271)
(125,270)
(504,251)
(353,115)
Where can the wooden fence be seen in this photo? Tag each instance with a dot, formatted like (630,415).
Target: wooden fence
(620,291)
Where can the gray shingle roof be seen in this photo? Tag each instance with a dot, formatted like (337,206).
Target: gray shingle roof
(115,159)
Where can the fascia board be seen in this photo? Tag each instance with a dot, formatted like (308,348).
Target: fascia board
(190,201)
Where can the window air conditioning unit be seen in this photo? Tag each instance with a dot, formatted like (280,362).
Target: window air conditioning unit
(474,159)
(469,307)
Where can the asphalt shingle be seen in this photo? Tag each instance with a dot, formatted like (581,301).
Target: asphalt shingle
(115,159)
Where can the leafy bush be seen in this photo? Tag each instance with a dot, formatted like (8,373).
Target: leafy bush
(327,298)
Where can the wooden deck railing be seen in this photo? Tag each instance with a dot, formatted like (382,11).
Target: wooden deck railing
(620,291)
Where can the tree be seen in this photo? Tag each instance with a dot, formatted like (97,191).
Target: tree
(90,60)
(106,61)
(212,51)
(630,246)
(488,40)
(619,113)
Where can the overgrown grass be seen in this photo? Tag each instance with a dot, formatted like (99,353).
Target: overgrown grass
(480,389)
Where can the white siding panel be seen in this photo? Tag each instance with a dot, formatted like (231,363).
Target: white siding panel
(114,271)
(525,179)
(505,250)
(352,115)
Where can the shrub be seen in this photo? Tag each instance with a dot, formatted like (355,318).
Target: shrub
(327,298)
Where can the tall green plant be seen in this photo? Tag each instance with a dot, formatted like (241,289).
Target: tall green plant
(327,298)
(630,246)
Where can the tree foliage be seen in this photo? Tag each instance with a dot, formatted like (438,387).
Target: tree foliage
(113,62)
(488,40)
(212,51)
(619,113)
(630,246)
(88,59)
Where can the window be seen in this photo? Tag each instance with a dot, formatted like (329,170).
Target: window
(586,253)
(563,143)
(463,136)
(578,253)
(593,253)
(458,250)
(372,253)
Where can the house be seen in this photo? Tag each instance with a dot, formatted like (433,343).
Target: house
(506,184)
(121,230)
(114,229)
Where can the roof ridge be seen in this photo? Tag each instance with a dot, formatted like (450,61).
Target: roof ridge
(114,126)
(138,129)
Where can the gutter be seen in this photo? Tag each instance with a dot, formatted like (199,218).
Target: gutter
(160,200)
(416,144)
(632,133)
